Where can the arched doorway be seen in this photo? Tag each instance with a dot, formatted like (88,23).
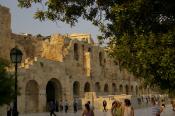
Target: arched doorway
(32,96)
(114,88)
(136,90)
(87,87)
(121,88)
(76,89)
(97,87)
(53,90)
(106,89)
(127,89)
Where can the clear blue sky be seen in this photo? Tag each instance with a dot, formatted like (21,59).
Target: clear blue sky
(22,22)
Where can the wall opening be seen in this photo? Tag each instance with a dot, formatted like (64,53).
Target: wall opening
(87,87)
(97,87)
(121,88)
(76,54)
(114,88)
(76,89)
(106,89)
(53,91)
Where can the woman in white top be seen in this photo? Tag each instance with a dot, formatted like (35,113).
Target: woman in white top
(128,109)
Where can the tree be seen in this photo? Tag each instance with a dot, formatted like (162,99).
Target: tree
(6,84)
(140,32)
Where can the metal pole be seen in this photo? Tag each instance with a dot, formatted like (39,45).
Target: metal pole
(15,110)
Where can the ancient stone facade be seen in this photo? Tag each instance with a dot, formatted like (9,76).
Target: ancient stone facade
(62,67)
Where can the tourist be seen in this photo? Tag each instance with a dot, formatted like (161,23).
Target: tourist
(156,109)
(75,106)
(104,105)
(66,106)
(52,108)
(9,110)
(128,109)
(116,109)
(91,106)
(61,106)
(87,111)
(113,108)
(173,104)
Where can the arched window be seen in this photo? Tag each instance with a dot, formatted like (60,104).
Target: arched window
(127,89)
(132,89)
(87,87)
(97,87)
(106,88)
(121,88)
(101,58)
(76,55)
(114,88)
(136,90)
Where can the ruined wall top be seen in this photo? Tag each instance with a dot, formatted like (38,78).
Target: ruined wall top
(82,37)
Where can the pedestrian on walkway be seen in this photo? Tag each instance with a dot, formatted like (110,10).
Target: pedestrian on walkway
(116,109)
(87,111)
(128,110)
(104,106)
(61,106)
(75,105)
(52,108)
(9,110)
(66,106)
(90,105)
(156,108)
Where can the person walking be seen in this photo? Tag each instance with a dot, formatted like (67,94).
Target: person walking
(52,108)
(75,106)
(104,106)
(61,106)
(116,109)
(87,111)
(128,109)
(66,106)
(9,110)
(156,108)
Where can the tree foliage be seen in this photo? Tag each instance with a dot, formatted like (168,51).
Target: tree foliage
(6,84)
(140,32)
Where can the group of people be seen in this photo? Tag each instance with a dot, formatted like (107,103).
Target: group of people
(122,110)
(55,107)
(117,109)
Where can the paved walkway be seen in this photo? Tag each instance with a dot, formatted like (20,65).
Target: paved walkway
(138,112)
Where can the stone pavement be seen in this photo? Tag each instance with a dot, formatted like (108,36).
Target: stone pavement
(138,112)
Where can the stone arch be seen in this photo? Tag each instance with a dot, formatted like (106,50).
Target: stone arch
(53,90)
(76,54)
(126,89)
(106,88)
(87,87)
(114,87)
(97,87)
(76,89)
(121,88)
(32,96)
(100,58)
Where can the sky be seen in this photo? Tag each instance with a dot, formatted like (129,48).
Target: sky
(22,22)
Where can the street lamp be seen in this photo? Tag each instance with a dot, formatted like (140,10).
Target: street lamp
(16,57)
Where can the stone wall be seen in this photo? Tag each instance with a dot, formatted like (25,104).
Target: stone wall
(5,32)
(62,68)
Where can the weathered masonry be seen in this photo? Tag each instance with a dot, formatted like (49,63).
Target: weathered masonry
(62,67)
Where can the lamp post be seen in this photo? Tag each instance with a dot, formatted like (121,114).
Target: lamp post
(16,57)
